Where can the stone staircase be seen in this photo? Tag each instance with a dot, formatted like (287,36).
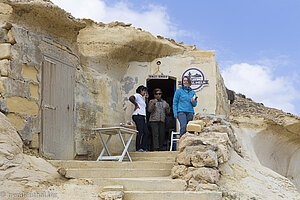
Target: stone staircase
(146,178)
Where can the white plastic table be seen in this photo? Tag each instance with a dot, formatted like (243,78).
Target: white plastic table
(114,131)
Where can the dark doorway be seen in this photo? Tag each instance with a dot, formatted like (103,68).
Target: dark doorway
(168,87)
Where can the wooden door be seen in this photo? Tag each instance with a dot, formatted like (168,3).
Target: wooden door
(57,109)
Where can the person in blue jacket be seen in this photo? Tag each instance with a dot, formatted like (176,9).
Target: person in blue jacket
(184,101)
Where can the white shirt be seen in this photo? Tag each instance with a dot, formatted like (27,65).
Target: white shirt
(141,103)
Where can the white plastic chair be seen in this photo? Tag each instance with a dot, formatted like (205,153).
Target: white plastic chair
(174,138)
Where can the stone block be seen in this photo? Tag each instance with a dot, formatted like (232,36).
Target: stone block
(183,158)
(5,51)
(15,87)
(5,12)
(29,72)
(34,90)
(194,127)
(192,149)
(2,87)
(216,137)
(4,67)
(35,142)
(217,128)
(22,105)
(188,176)
(200,122)
(11,38)
(112,195)
(189,140)
(179,171)
(223,154)
(208,186)
(206,175)
(3,35)
(7,25)
(192,184)
(205,159)
(16,121)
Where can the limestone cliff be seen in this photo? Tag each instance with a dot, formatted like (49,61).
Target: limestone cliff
(271,137)
(120,43)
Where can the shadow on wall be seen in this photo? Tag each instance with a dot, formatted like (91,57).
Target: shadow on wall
(279,149)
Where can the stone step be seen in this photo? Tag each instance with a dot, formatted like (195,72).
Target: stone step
(143,184)
(172,195)
(111,164)
(116,173)
(68,192)
(154,159)
(163,154)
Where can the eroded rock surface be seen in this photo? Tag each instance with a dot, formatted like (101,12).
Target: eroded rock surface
(221,158)
(269,136)
(20,172)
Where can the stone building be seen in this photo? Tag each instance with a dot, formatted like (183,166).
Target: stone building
(62,76)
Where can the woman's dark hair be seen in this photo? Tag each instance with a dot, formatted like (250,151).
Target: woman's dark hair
(188,78)
(140,89)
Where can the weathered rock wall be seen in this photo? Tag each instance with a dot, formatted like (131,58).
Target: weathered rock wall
(219,156)
(24,45)
(271,137)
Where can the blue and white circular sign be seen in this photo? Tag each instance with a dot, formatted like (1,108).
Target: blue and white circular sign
(196,76)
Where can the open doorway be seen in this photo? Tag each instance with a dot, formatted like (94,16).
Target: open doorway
(168,87)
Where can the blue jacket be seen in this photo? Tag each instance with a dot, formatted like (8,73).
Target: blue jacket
(182,100)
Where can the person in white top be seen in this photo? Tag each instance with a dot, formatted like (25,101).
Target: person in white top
(138,116)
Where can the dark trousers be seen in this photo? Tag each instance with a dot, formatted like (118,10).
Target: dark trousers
(142,135)
(158,134)
(184,118)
